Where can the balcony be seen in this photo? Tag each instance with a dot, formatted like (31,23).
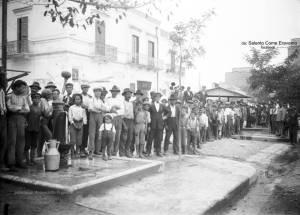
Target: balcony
(106,52)
(19,48)
(145,61)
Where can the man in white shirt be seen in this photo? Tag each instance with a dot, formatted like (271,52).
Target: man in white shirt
(97,109)
(118,102)
(86,99)
(203,123)
(128,125)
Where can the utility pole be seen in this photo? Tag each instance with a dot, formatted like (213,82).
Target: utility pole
(3,74)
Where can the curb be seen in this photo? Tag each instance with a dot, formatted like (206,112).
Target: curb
(260,138)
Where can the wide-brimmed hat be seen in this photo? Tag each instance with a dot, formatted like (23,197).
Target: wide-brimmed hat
(69,84)
(126,90)
(139,92)
(46,92)
(108,115)
(18,83)
(115,89)
(173,97)
(84,86)
(36,85)
(50,84)
(104,91)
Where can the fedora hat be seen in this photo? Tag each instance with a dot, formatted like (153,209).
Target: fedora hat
(35,84)
(139,92)
(84,86)
(115,89)
(96,89)
(126,90)
(173,97)
(50,84)
(69,84)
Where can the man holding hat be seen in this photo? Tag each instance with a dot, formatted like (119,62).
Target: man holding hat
(18,107)
(173,113)
(157,111)
(86,98)
(116,101)
(128,125)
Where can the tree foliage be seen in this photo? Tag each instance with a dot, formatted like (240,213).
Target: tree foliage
(81,13)
(281,80)
(186,39)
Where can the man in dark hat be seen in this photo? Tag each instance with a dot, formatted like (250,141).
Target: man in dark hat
(128,125)
(172,122)
(86,98)
(18,107)
(157,111)
(117,102)
(35,87)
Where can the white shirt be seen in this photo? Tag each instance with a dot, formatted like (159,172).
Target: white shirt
(116,102)
(203,120)
(77,113)
(156,106)
(97,105)
(86,100)
(108,127)
(173,110)
(128,110)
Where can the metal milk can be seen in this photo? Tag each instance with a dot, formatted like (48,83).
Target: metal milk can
(52,156)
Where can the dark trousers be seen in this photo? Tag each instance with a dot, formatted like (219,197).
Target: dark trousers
(293,134)
(156,135)
(31,140)
(76,137)
(95,121)
(126,137)
(172,128)
(3,138)
(16,139)
(85,133)
(192,138)
(107,141)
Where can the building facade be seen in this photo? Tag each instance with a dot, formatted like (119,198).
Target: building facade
(134,51)
(238,77)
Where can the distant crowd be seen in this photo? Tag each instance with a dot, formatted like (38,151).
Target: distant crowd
(119,122)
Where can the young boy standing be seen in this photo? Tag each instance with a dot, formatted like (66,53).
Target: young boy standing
(192,131)
(77,118)
(203,124)
(107,133)
(33,128)
(140,128)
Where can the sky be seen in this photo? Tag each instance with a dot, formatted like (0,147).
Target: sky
(236,21)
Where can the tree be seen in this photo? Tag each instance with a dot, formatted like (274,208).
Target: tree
(281,80)
(186,41)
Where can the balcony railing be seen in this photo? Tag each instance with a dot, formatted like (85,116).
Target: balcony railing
(18,47)
(106,51)
(144,60)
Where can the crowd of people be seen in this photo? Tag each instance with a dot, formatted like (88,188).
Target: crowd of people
(125,123)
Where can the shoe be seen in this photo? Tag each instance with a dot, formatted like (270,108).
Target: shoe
(97,153)
(104,158)
(90,156)
(22,166)
(159,154)
(109,158)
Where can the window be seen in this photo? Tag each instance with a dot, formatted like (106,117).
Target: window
(100,38)
(151,53)
(22,34)
(135,49)
(75,74)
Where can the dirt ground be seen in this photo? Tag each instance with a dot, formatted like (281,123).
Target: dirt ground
(276,192)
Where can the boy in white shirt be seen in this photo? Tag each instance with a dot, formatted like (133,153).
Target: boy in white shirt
(107,133)
(77,118)
(203,122)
